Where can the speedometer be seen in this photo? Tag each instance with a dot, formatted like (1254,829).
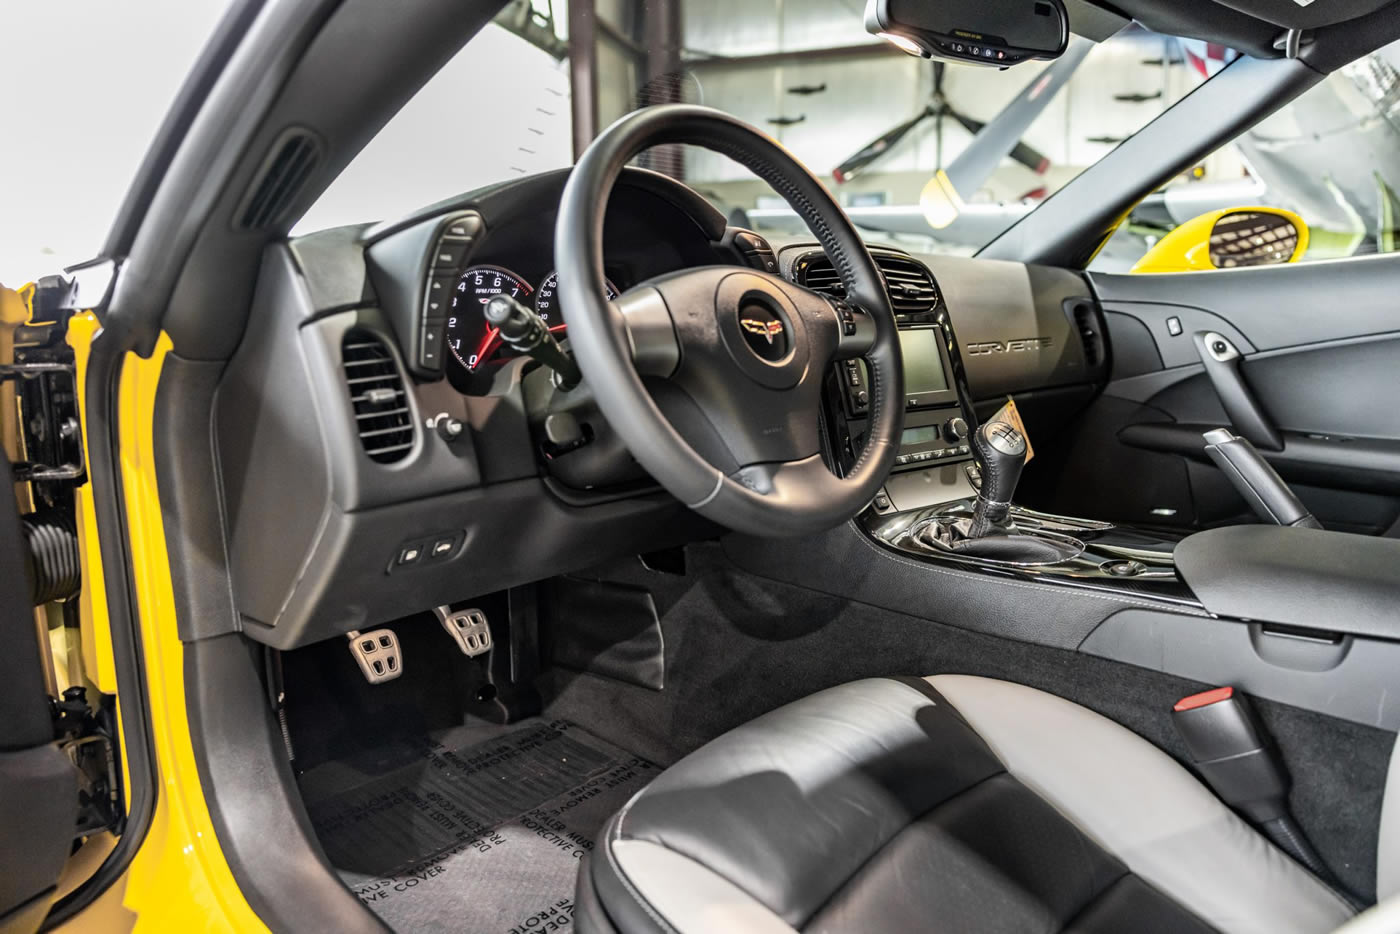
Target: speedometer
(547,300)
(472,341)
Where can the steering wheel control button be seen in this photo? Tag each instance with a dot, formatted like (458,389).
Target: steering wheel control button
(846,315)
(750,242)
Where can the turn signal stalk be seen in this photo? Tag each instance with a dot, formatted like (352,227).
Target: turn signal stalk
(528,334)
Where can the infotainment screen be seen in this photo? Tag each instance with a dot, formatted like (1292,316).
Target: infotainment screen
(923,365)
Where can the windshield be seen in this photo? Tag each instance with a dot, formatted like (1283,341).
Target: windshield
(911,148)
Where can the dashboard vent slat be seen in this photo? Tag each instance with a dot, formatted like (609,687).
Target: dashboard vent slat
(382,419)
(910,285)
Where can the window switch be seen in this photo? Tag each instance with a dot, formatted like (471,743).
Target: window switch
(442,547)
(1174,326)
(410,554)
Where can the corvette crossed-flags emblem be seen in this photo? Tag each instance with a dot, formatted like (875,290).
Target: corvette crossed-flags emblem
(769,329)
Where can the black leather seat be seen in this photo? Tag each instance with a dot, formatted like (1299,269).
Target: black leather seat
(950,804)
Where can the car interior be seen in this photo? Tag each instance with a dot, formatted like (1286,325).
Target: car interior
(566,554)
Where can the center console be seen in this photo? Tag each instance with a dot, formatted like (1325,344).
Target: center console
(933,506)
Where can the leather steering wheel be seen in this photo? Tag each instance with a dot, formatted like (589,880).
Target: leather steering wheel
(736,355)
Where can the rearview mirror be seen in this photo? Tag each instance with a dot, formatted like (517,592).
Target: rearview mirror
(1234,238)
(988,32)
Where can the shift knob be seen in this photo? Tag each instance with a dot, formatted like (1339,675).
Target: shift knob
(1001,453)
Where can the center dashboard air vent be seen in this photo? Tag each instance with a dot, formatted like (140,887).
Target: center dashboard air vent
(909,283)
(382,417)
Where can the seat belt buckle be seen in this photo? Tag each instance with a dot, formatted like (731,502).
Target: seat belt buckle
(1230,750)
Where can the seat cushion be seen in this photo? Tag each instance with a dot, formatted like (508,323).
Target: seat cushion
(951,803)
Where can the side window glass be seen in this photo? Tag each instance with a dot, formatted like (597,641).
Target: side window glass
(1316,181)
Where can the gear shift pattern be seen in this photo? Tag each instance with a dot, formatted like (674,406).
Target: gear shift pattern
(1000,451)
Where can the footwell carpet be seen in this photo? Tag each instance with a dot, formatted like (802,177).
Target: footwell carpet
(466,833)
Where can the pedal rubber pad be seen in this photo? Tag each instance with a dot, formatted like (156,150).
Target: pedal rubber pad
(468,628)
(378,655)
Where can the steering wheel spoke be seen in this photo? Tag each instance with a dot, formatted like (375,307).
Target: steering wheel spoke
(794,483)
(651,334)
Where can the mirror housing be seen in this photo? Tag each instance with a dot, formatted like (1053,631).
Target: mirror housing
(1232,238)
(1001,33)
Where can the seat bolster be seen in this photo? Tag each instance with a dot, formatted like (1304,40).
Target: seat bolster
(1145,809)
(687,896)
(789,806)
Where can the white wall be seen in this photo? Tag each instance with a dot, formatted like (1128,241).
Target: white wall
(83,86)
(867,96)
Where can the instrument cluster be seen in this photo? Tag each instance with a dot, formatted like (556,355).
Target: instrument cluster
(473,342)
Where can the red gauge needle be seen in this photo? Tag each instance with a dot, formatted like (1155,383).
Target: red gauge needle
(487,345)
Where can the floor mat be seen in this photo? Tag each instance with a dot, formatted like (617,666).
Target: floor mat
(473,830)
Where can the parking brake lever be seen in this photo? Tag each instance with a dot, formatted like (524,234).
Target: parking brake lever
(1256,481)
(527,333)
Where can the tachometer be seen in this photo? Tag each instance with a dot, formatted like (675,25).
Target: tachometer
(547,300)
(472,341)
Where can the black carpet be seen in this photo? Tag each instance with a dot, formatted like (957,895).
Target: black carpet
(477,829)
(737,645)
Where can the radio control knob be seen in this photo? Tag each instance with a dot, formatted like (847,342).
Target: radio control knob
(955,429)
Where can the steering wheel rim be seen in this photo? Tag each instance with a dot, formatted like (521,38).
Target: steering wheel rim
(615,343)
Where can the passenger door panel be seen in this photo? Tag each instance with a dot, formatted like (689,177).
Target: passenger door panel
(1320,344)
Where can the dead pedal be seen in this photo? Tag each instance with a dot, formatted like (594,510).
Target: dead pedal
(378,654)
(468,628)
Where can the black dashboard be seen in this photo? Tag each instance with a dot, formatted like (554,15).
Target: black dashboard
(382,452)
